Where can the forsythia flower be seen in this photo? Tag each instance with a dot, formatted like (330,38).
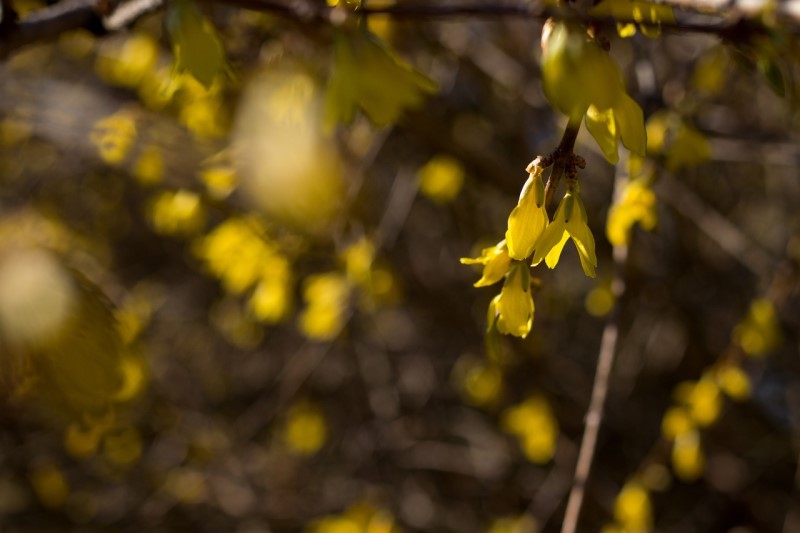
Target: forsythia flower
(529,218)
(580,78)
(513,307)
(623,121)
(633,509)
(637,203)
(569,222)
(495,261)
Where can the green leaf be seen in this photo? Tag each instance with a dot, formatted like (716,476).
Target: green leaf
(369,76)
(769,68)
(195,43)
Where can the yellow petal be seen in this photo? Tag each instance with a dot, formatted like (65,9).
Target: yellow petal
(496,262)
(527,220)
(630,124)
(551,237)
(602,126)
(515,305)
(626,30)
(551,260)
(495,268)
(582,236)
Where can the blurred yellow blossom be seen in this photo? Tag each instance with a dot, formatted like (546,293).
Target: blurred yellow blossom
(50,485)
(441,178)
(287,166)
(633,509)
(636,203)
(220,181)
(361,517)
(179,213)
(272,297)
(114,135)
(134,377)
(704,402)
(734,382)
(599,301)
(676,422)
(688,148)
(126,61)
(711,70)
(688,460)
(326,297)
(239,253)
(759,333)
(479,381)
(305,430)
(533,422)
(358,258)
(81,441)
(186,485)
(123,446)
(514,524)
(149,167)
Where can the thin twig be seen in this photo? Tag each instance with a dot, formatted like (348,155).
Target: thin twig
(594,414)
(47,24)
(715,226)
(561,159)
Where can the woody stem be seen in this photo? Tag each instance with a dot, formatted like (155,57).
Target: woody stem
(563,159)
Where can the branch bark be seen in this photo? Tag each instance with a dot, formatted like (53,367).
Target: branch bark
(47,24)
(595,411)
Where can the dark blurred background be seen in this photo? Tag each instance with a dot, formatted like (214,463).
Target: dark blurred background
(359,396)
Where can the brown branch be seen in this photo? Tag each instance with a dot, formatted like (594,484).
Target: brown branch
(594,413)
(48,23)
(563,160)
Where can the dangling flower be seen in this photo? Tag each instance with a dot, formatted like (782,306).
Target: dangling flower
(569,222)
(513,307)
(529,218)
(495,263)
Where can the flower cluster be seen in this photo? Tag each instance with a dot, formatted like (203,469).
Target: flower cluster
(531,233)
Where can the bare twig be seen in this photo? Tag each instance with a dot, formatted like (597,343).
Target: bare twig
(716,227)
(594,414)
(563,160)
(46,24)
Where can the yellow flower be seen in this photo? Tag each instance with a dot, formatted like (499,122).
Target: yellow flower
(569,222)
(533,422)
(441,179)
(495,263)
(759,333)
(327,297)
(637,203)
(305,429)
(528,219)
(579,77)
(513,307)
(624,121)
(633,509)
(688,460)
